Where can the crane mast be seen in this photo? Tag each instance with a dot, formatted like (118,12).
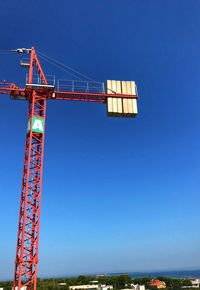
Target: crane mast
(121,100)
(26,263)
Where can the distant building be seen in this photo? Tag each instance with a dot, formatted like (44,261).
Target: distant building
(94,282)
(135,287)
(62,284)
(195,284)
(105,287)
(1,288)
(22,288)
(158,284)
(91,287)
(138,287)
(83,287)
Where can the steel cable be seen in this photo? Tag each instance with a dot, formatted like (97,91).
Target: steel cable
(64,67)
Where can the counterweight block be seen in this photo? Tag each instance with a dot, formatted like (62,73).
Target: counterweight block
(125,106)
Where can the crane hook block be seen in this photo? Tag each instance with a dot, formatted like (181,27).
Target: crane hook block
(125,106)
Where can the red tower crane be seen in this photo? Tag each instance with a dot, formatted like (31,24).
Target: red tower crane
(121,100)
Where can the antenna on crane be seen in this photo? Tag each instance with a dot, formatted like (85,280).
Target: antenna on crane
(22,50)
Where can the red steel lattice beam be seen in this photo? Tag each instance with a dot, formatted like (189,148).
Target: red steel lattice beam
(29,218)
(26,263)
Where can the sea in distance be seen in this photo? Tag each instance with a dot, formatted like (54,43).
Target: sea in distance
(170,274)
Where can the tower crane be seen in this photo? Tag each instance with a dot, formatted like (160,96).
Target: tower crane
(121,100)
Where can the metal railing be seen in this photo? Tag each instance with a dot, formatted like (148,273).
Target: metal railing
(37,79)
(81,86)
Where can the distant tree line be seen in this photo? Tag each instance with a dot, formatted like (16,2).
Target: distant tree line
(118,282)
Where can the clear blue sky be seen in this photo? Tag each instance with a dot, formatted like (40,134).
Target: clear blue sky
(118,194)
